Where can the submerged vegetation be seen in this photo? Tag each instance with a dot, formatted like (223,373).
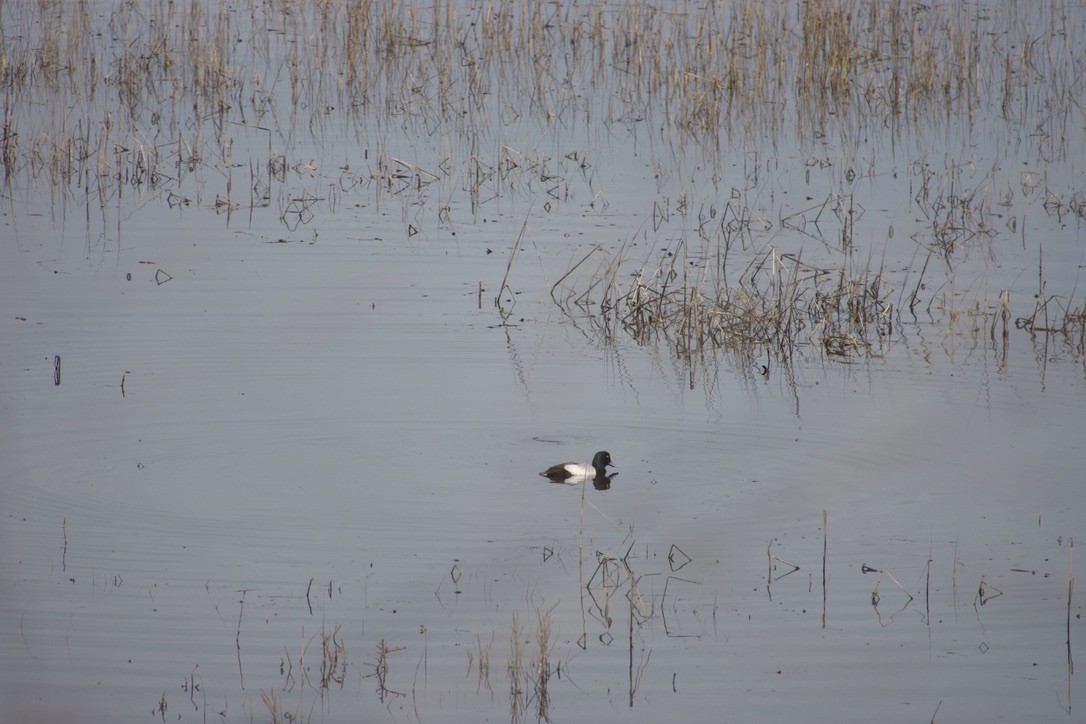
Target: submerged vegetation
(634,600)
(452,108)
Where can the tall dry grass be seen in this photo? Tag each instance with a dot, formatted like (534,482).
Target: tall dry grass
(205,106)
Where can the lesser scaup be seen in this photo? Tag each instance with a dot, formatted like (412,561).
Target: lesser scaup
(577,472)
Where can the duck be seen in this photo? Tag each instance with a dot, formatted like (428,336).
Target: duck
(577,472)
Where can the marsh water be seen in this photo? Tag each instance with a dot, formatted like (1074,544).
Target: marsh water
(298,299)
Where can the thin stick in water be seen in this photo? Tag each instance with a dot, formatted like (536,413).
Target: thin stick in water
(825,548)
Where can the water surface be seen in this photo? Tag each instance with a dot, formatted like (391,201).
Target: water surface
(270,427)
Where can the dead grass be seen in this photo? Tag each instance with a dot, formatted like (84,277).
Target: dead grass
(210,76)
(193,101)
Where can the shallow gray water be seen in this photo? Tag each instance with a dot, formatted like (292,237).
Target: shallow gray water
(330,428)
(337,414)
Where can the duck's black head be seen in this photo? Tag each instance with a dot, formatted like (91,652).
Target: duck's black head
(601,461)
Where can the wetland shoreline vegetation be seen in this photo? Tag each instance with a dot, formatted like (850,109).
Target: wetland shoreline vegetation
(199,105)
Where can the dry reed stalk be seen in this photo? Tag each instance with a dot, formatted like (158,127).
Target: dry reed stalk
(825,558)
(1070,595)
(271,702)
(517,692)
(542,665)
(483,667)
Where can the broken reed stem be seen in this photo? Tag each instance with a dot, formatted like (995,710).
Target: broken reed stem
(631,652)
(927,593)
(773,557)
(825,551)
(1070,594)
(896,583)
(574,268)
(509,266)
(237,637)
